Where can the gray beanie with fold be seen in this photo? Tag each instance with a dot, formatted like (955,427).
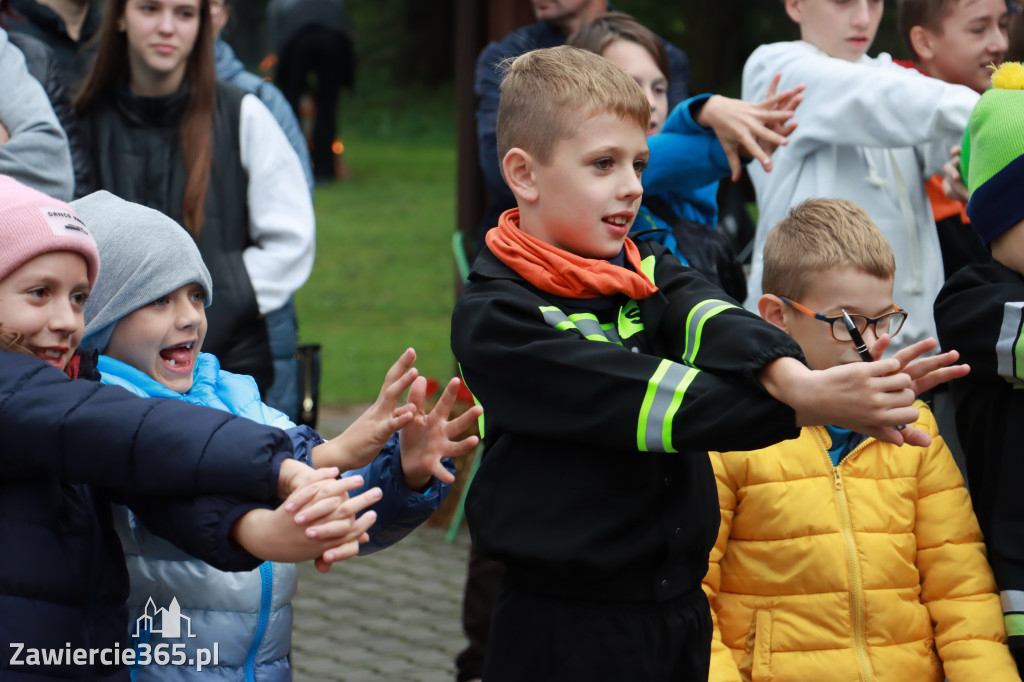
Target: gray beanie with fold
(144,255)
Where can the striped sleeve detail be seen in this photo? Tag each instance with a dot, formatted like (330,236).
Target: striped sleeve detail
(1013,612)
(586,324)
(1010,346)
(695,321)
(665,392)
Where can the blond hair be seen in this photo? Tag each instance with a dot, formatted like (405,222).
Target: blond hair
(546,92)
(819,235)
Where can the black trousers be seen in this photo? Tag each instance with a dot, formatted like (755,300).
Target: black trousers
(329,56)
(535,637)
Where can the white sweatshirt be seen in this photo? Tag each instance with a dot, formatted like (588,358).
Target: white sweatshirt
(281,221)
(871,132)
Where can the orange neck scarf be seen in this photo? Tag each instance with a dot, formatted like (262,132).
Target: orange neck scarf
(562,273)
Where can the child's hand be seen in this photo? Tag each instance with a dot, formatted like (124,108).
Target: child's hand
(294,474)
(288,533)
(952,184)
(785,101)
(427,439)
(926,373)
(866,397)
(363,439)
(4,135)
(755,129)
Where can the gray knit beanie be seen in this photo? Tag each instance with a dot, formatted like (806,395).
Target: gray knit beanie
(144,255)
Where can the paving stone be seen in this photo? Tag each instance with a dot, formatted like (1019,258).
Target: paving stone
(392,616)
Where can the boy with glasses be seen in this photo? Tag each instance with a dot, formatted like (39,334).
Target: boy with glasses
(839,556)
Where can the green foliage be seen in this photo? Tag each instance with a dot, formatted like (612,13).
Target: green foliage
(383,278)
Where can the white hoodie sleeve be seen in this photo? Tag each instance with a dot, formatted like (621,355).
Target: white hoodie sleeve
(281,221)
(870,103)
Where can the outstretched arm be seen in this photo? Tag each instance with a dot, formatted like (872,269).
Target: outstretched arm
(866,397)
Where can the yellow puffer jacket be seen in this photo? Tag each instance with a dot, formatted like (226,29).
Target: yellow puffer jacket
(871,570)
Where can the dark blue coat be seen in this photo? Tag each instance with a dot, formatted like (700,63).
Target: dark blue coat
(67,448)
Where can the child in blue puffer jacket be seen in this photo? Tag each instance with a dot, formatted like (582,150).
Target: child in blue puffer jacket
(147,317)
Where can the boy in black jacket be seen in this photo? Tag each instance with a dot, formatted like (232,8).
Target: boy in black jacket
(979,311)
(606,370)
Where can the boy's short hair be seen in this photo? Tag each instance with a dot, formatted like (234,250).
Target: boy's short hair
(819,235)
(546,92)
(608,28)
(928,14)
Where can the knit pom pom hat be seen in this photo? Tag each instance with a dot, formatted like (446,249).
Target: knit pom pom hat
(32,223)
(992,159)
(146,255)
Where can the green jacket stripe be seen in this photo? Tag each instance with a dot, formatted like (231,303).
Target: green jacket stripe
(665,392)
(700,314)
(1010,346)
(586,324)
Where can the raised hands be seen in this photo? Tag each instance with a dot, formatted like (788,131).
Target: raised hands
(429,437)
(752,129)
(363,439)
(317,521)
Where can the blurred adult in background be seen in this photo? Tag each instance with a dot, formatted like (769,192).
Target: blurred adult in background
(231,70)
(42,64)
(33,147)
(282,325)
(163,132)
(67,27)
(556,20)
(313,37)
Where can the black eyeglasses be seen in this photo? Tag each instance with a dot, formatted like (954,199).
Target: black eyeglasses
(889,323)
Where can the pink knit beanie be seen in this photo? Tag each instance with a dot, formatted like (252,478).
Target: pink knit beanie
(32,223)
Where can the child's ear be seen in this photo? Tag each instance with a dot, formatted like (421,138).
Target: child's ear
(921,40)
(771,308)
(517,167)
(794,10)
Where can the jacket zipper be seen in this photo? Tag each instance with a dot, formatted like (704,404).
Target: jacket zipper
(857,608)
(266,600)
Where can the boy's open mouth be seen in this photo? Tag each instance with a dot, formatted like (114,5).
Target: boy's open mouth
(179,356)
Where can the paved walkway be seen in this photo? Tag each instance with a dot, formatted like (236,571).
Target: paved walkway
(393,616)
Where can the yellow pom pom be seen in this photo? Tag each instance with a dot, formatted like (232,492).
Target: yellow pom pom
(1009,76)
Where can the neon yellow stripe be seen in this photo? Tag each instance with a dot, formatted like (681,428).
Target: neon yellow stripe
(480,419)
(700,327)
(1014,624)
(647,268)
(645,407)
(677,400)
(1018,357)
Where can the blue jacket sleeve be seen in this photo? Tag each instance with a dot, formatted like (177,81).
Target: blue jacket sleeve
(685,156)
(400,509)
(85,432)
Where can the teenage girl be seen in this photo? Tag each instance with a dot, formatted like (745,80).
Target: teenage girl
(164,133)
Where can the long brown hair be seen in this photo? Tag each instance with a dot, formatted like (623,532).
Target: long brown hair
(112,67)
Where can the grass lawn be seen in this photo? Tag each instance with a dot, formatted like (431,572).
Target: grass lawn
(383,278)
